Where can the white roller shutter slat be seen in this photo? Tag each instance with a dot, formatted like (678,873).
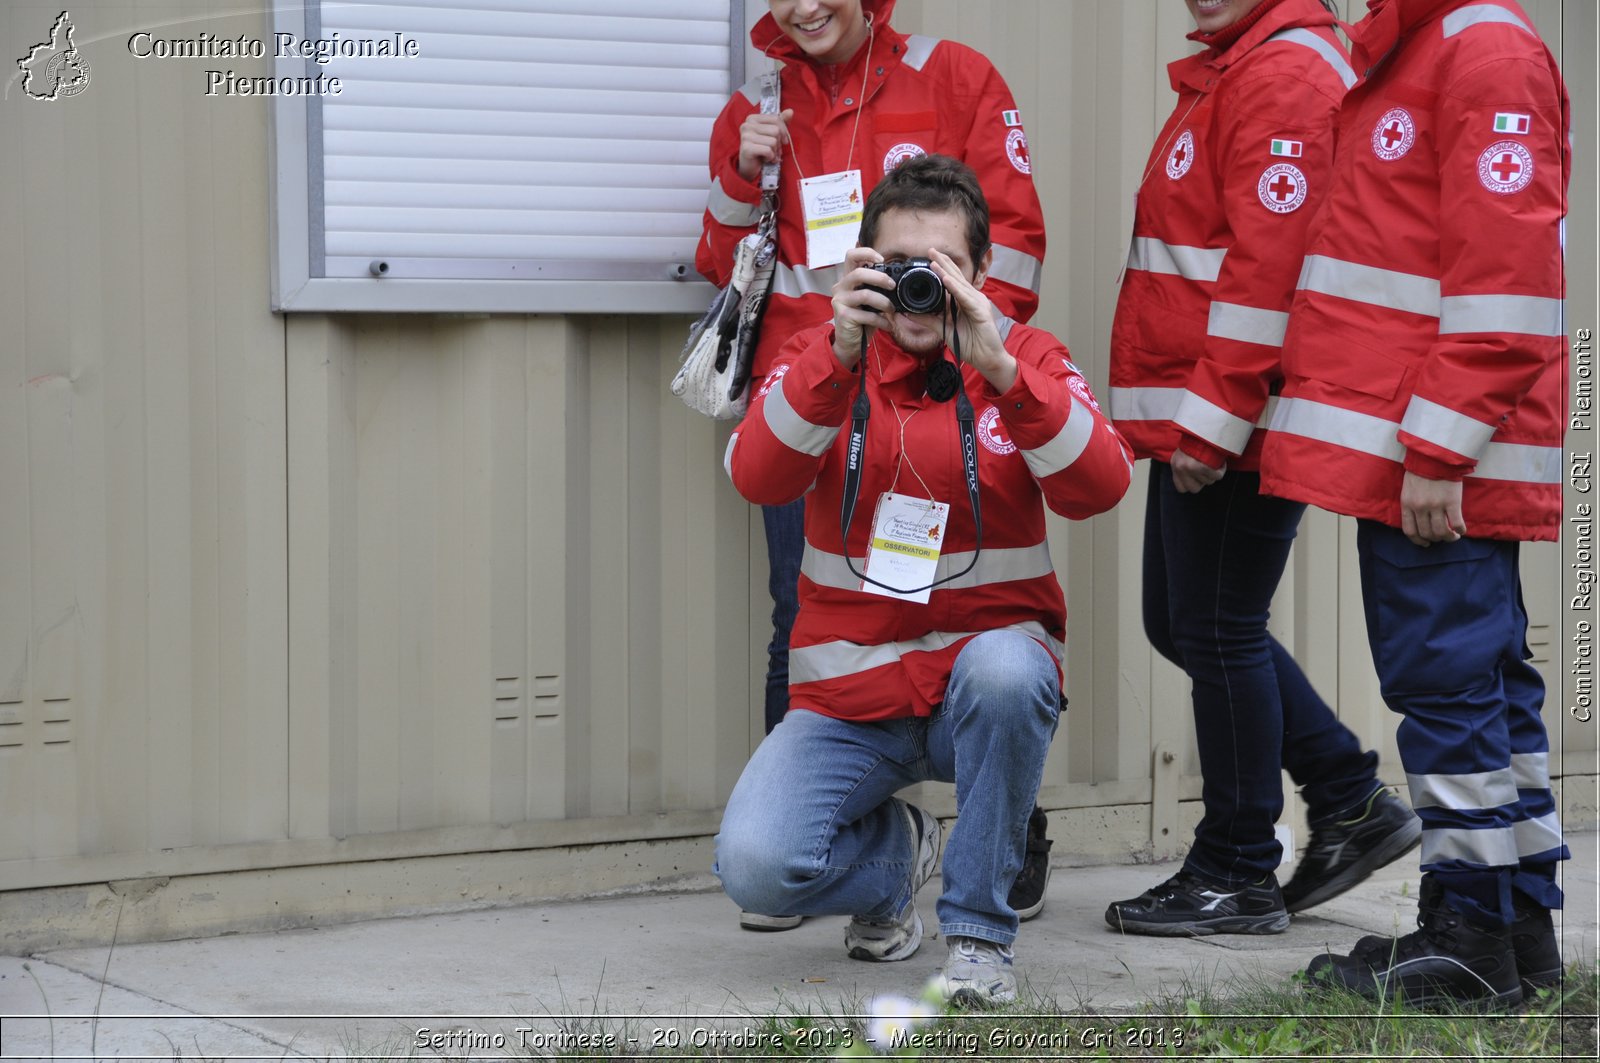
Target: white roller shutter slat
(527,140)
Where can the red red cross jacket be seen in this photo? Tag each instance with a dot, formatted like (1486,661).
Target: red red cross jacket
(864,656)
(1428,333)
(923,96)
(1219,231)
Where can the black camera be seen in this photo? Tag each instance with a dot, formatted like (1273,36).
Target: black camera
(917,288)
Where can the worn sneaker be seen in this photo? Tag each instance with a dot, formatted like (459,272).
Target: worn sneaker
(1187,904)
(1343,852)
(769,923)
(899,937)
(978,974)
(1445,960)
(1027,892)
(1533,941)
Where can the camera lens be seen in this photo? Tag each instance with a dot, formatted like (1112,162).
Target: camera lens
(920,291)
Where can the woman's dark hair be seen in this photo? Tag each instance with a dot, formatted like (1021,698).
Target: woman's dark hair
(930,183)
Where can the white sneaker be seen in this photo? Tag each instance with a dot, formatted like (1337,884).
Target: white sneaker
(978,974)
(769,923)
(899,937)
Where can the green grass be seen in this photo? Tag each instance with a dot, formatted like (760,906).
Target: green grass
(1280,1020)
(1264,1021)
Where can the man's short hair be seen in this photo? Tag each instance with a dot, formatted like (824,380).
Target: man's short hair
(931,183)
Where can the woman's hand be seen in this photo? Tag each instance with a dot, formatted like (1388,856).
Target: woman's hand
(761,141)
(1430,510)
(1190,475)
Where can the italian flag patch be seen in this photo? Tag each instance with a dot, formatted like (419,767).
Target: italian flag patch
(1289,149)
(1510,123)
(1011,118)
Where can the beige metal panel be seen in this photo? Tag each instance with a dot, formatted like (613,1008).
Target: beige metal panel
(557,658)
(147,463)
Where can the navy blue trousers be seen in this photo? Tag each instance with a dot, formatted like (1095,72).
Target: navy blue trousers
(1212,561)
(1449,639)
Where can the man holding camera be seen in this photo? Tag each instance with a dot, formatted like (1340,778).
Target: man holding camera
(929,642)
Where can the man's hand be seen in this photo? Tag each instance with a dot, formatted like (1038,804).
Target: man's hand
(1190,475)
(761,140)
(860,299)
(1430,510)
(981,345)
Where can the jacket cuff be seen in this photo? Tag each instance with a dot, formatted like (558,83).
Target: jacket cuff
(734,184)
(822,390)
(1430,468)
(1213,456)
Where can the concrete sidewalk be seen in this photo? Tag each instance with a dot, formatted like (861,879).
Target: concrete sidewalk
(650,963)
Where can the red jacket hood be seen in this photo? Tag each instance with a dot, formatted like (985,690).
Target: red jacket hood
(770,40)
(1386,22)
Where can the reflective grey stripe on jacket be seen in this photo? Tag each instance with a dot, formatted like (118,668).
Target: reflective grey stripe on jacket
(1067,446)
(835,660)
(1016,267)
(1444,427)
(919,50)
(994,566)
(1376,436)
(792,430)
(1480,14)
(1369,284)
(1190,263)
(1330,53)
(1247,324)
(1527,315)
(729,211)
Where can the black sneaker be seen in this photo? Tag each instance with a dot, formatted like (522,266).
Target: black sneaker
(1342,853)
(1027,892)
(1186,904)
(1445,960)
(1533,942)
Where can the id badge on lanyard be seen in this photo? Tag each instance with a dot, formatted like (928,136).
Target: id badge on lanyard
(907,535)
(832,206)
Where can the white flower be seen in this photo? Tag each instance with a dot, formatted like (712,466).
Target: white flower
(892,1017)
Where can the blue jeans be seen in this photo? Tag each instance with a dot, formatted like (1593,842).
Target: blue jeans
(786,544)
(812,826)
(1212,561)
(1449,640)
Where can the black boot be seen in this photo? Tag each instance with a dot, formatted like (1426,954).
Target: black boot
(1445,959)
(1533,942)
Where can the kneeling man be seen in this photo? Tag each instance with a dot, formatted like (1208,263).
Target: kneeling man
(929,642)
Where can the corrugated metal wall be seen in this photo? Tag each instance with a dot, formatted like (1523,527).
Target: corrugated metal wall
(297,591)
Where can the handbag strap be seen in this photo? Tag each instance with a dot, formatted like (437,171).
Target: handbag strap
(769,170)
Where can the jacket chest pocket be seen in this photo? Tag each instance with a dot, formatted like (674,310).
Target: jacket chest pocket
(897,137)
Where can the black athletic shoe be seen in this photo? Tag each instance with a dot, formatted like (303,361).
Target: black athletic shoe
(1342,853)
(1027,892)
(1186,905)
(1446,959)
(1533,942)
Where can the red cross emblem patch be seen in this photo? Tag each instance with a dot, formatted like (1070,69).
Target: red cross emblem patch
(992,434)
(1181,157)
(1017,151)
(1394,134)
(1282,188)
(1505,167)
